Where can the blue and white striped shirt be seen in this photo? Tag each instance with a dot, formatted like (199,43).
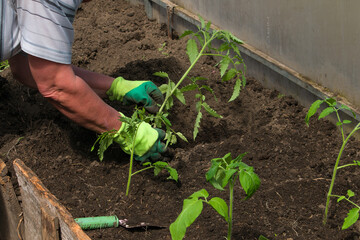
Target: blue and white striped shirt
(42,28)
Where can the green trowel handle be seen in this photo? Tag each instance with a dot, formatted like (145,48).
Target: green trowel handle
(97,222)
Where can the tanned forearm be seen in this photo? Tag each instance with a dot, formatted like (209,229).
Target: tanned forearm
(100,83)
(19,64)
(72,96)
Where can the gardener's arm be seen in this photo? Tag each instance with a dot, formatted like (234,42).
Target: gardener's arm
(19,64)
(145,93)
(72,96)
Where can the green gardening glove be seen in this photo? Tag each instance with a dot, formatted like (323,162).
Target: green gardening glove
(148,145)
(136,92)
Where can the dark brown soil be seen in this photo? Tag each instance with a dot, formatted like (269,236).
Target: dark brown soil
(293,161)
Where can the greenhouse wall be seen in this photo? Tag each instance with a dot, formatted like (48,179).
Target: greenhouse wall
(307,49)
(319,39)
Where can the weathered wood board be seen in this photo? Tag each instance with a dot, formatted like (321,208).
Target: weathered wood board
(10,210)
(44,216)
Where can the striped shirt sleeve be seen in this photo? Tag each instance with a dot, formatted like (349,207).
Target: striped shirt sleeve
(46,28)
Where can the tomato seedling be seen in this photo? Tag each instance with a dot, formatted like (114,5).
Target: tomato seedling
(223,172)
(199,44)
(353,214)
(107,138)
(231,67)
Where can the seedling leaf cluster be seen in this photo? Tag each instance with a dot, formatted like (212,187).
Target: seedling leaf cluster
(332,107)
(231,66)
(199,44)
(222,173)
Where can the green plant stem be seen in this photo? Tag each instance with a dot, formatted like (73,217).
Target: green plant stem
(334,173)
(130,173)
(347,199)
(347,165)
(230,222)
(131,163)
(185,74)
(144,169)
(341,127)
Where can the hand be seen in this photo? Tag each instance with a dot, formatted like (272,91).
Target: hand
(135,92)
(148,145)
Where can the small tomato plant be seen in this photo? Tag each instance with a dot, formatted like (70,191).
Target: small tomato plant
(223,172)
(353,214)
(107,138)
(231,67)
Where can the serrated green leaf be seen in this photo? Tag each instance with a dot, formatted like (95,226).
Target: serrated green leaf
(189,87)
(217,179)
(158,167)
(166,120)
(186,33)
(229,74)
(352,217)
(212,171)
(173,139)
(160,164)
(240,157)
(237,89)
(197,124)
(220,206)
(326,112)
(235,49)
(104,142)
(201,193)
(192,50)
(180,135)
(200,39)
(235,39)
(350,193)
(224,64)
(169,103)
(207,88)
(349,109)
(228,174)
(340,198)
(216,184)
(227,157)
(163,88)
(180,96)
(161,74)
(211,111)
(198,78)
(331,102)
(207,27)
(191,210)
(173,173)
(157,170)
(357,162)
(224,47)
(202,22)
(312,110)
(249,181)
(227,35)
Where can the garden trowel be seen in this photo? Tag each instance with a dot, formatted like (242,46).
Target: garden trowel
(88,223)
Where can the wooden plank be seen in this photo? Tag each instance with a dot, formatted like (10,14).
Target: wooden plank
(50,225)
(3,169)
(10,210)
(40,205)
